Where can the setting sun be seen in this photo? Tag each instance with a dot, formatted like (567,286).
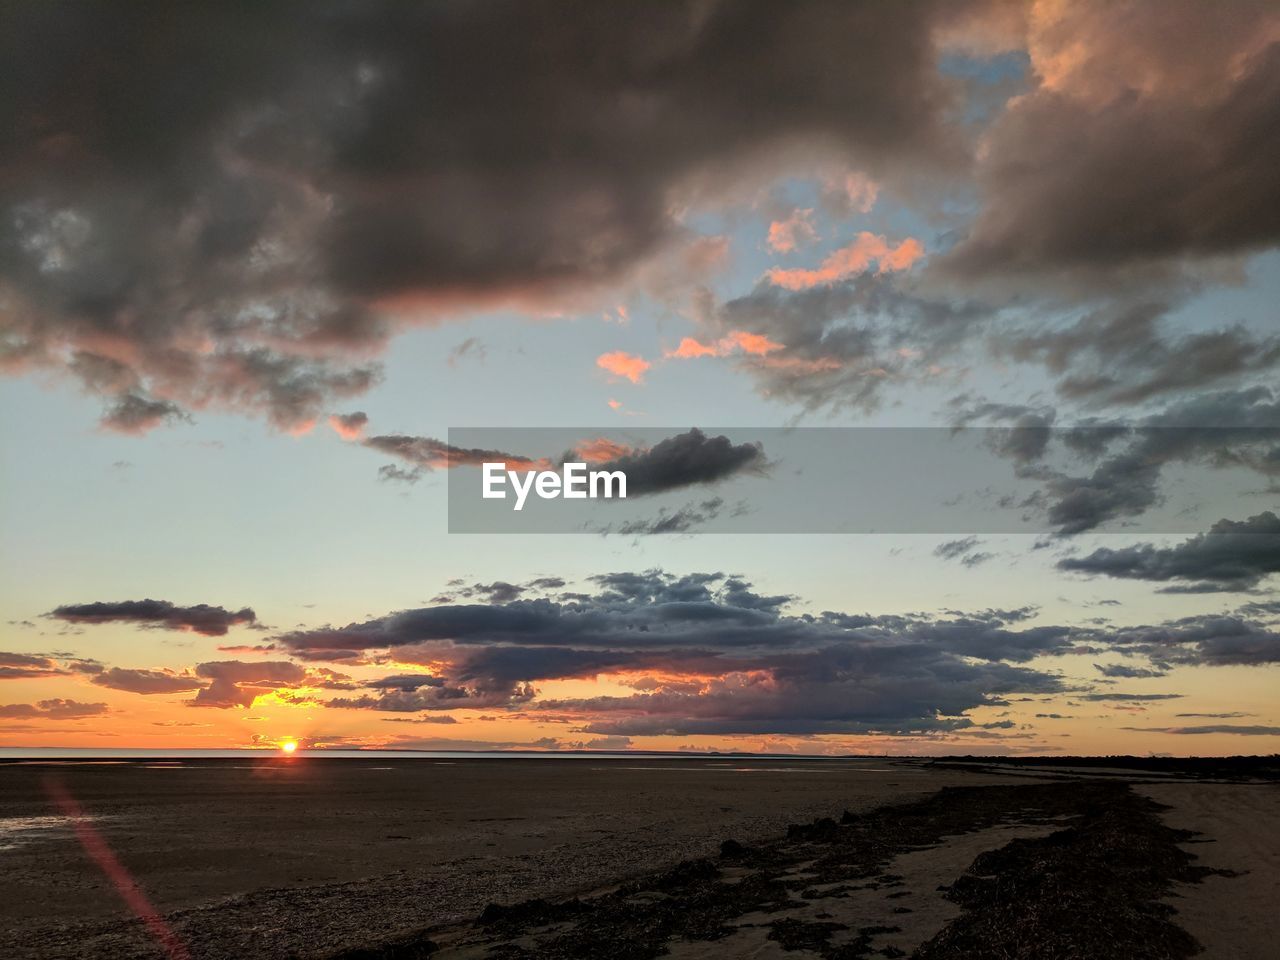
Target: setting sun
(289,746)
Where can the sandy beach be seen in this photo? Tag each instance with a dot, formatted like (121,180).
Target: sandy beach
(307,857)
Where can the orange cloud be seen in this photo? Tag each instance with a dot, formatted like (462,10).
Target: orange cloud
(623,364)
(690,348)
(795,231)
(855,258)
(755,344)
(615,404)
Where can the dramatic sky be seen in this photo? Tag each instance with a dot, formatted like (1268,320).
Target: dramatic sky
(257,260)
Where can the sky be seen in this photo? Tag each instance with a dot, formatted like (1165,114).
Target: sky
(259,263)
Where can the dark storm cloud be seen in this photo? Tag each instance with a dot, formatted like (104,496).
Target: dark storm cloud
(1141,146)
(146,681)
(722,657)
(707,653)
(685,460)
(209,621)
(1233,555)
(1131,174)
(56,709)
(232,207)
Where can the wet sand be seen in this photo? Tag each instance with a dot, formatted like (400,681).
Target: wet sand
(311,857)
(1238,830)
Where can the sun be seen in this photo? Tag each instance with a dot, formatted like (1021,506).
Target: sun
(288,746)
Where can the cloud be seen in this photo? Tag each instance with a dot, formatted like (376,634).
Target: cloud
(845,342)
(470,347)
(607,743)
(851,193)
(206,620)
(441,718)
(1172,166)
(681,520)
(500,591)
(724,658)
(236,683)
(425,455)
(624,365)
(349,426)
(1119,354)
(439,697)
(20,666)
(735,341)
(866,248)
(1124,670)
(407,682)
(709,654)
(1237,729)
(130,413)
(251,242)
(684,460)
(146,681)
(965,550)
(56,709)
(1202,640)
(1233,555)
(797,230)
(1224,430)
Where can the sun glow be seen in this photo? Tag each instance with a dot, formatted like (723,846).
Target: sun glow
(288,746)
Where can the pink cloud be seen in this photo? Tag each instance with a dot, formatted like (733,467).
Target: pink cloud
(736,340)
(854,258)
(349,426)
(623,364)
(792,233)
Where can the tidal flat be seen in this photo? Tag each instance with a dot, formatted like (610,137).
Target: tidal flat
(311,857)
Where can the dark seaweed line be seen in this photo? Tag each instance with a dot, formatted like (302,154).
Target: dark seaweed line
(1090,890)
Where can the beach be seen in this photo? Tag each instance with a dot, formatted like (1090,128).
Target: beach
(313,857)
